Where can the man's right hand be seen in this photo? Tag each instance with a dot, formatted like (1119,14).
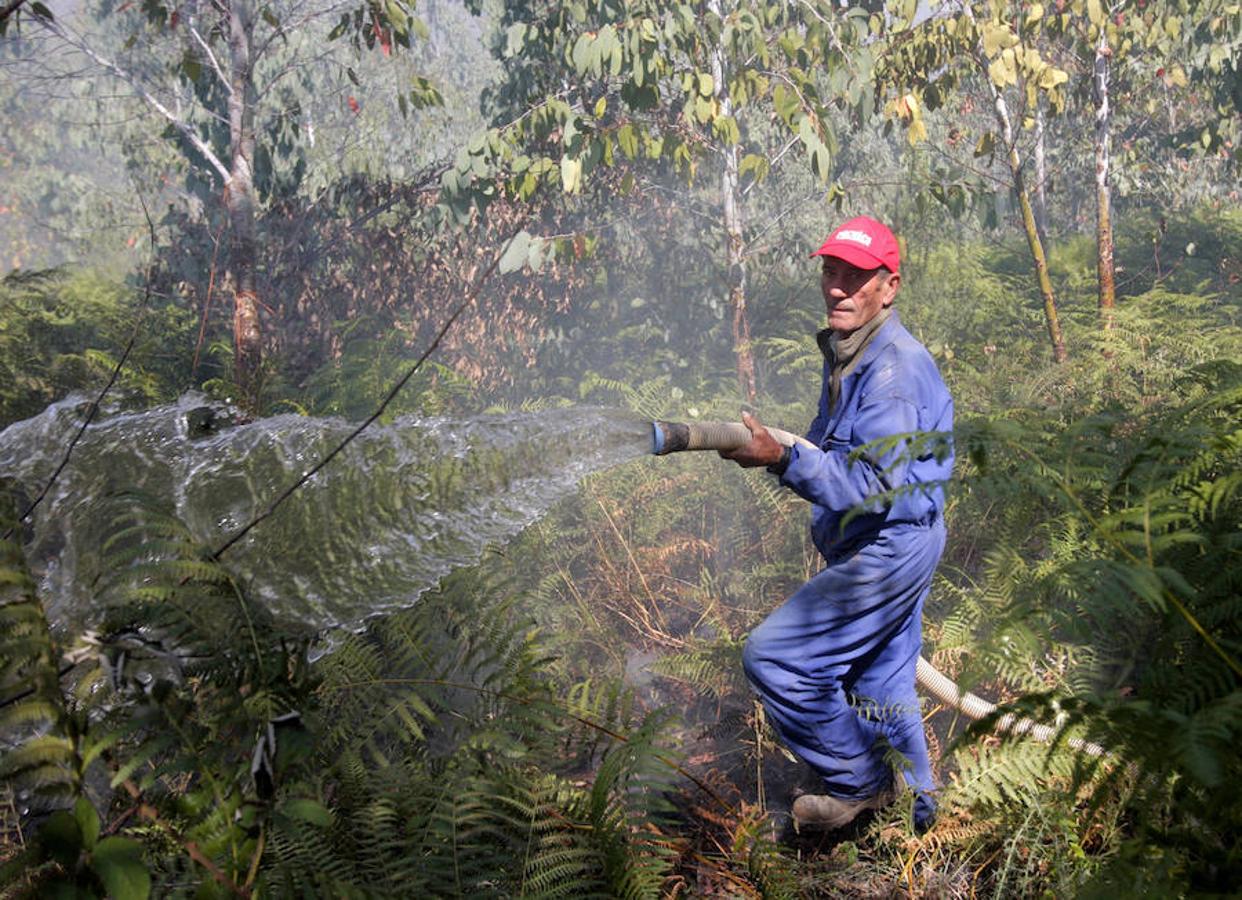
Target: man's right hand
(761,450)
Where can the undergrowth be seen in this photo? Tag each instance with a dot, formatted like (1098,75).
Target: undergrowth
(570,718)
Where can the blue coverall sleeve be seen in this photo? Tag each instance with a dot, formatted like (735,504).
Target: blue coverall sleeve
(827,477)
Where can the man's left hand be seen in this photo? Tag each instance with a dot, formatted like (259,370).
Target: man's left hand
(761,450)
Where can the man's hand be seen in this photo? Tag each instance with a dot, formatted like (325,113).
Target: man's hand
(761,450)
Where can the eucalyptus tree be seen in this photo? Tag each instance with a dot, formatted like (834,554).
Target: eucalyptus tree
(728,87)
(997,43)
(1178,59)
(215,72)
(1156,47)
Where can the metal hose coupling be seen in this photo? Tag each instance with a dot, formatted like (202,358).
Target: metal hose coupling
(673,437)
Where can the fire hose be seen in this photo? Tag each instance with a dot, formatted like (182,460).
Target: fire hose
(674,437)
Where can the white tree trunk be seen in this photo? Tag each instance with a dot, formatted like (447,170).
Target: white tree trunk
(1103,190)
(734,243)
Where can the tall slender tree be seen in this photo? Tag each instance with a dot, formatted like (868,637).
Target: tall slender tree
(1147,42)
(994,43)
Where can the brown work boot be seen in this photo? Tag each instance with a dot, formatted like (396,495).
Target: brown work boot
(827,813)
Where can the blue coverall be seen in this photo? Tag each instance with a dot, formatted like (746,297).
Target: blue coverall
(835,664)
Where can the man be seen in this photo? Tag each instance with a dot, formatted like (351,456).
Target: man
(835,664)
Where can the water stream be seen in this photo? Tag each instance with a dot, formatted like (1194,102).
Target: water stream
(402,506)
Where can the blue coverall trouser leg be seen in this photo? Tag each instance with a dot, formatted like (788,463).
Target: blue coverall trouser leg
(835,665)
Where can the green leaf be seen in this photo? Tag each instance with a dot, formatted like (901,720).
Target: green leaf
(1003,70)
(997,38)
(190,66)
(570,131)
(61,838)
(270,18)
(786,103)
(580,56)
(424,93)
(514,256)
(707,85)
(986,145)
(627,138)
(640,96)
(88,821)
(571,175)
(98,746)
(308,811)
(727,130)
(396,15)
(821,163)
(753,162)
(515,39)
(534,259)
(704,110)
(608,47)
(118,863)
(806,134)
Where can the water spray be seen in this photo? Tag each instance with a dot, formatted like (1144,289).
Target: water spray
(675,437)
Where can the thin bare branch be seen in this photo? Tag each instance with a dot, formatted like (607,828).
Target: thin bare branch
(775,160)
(129,78)
(211,58)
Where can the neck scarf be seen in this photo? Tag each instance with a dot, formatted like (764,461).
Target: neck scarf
(845,351)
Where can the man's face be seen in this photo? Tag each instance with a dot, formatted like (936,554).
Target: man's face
(854,296)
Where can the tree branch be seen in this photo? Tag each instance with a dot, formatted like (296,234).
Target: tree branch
(176,121)
(789,145)
(832,31)
(211,57)
(10,9)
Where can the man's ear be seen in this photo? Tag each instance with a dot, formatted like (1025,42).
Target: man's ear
(890,287)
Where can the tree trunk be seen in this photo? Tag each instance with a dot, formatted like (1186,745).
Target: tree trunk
(240,201)
(1041,174)
(737,277)
(1103,191)
(735,245)
(1028,224)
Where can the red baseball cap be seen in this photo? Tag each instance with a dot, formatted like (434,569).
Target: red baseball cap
(864,243)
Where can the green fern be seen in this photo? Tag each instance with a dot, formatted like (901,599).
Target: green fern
(652,399)
(41,754)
